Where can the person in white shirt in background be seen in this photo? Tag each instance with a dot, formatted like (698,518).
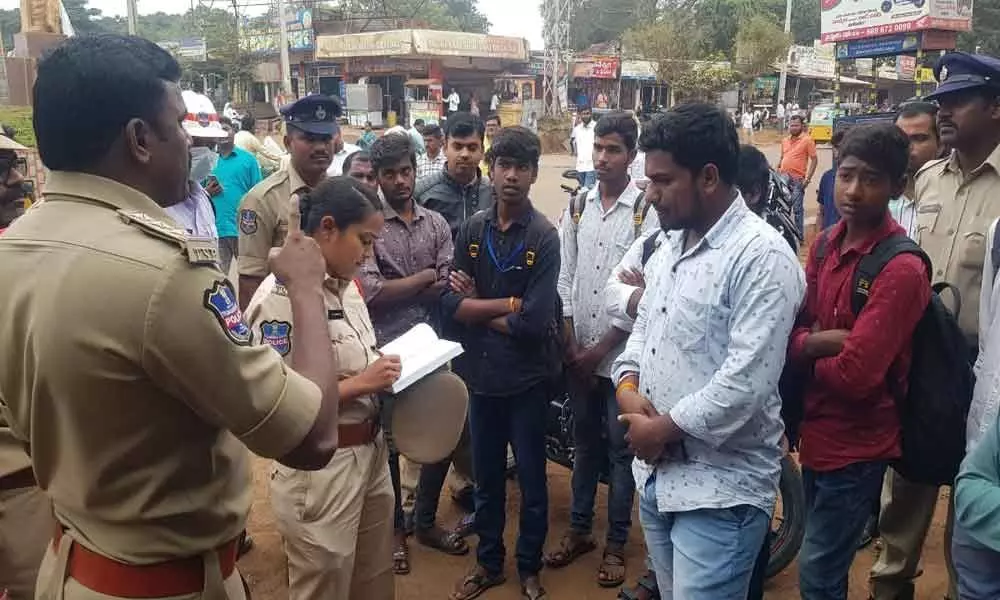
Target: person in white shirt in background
(746,124)
(340,152)
(779,112)
(433,160)
(247,140)
(453,101)
(583,146)
(494,102)
(918,120)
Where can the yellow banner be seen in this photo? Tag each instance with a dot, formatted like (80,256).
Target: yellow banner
(381,43)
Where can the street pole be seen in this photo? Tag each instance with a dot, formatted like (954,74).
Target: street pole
(132,17)
(783,78)
(286,67)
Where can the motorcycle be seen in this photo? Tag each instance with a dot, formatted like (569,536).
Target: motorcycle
(788,521)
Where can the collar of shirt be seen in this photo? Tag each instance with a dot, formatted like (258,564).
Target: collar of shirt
(100,190)
(296,183)
(718,233)
(419,212)
(459,186)
(627,198)
(884,230)
(993,160)
(523,220)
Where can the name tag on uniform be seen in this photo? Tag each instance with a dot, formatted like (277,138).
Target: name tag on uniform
(334,315)
(202,250)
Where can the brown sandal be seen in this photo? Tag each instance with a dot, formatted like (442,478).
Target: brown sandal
(611,573)
(475,583)
(571,547)
(401,559)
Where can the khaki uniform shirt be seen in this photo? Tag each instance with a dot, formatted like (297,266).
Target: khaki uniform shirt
(270,316)
(129,369)
(953,216)
(13,457)
(264,219)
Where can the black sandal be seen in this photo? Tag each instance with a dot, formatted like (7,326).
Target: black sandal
(571,547)
(645,589)
(441,540)
(614,557)
(480,581)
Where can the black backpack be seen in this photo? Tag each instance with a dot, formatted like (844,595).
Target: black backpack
(933,412)
(578,202)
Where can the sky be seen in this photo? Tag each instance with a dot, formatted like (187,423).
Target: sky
(519,18)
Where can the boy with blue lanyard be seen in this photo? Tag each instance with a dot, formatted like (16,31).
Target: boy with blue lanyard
(502,296)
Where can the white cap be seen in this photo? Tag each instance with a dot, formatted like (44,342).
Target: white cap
(8,144)
(201,120)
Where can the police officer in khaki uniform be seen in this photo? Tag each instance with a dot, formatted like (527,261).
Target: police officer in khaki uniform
(25,512)
(956,202)
(127,367)
(337,523)
(310,126)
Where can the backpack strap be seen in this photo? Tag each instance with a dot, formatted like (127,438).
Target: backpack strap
(872,264)
(477,233)
(995,249)
(577,202)
(821,243)
(649,246)
(639,211)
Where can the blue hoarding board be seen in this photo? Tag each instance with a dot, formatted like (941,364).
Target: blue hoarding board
(889,45)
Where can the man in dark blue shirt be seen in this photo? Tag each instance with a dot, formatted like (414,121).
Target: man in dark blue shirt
(502,295)
(828,215)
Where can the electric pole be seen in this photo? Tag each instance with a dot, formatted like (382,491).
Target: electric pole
(555,17)
(132,17)
(286,67)
(783,78)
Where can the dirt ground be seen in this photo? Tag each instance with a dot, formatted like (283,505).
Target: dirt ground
(434,574)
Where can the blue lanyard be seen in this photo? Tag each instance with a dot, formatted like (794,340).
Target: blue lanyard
(507,264)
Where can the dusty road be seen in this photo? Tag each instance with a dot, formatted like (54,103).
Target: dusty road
(434,574)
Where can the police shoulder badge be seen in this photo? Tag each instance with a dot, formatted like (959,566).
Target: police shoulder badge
(248,221)
(220,300)
(278,335)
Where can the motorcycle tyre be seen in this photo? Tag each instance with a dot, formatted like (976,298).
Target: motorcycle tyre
(788,537)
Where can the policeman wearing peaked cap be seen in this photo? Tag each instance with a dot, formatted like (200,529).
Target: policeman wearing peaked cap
(310,129)
(957,71)
(956,203)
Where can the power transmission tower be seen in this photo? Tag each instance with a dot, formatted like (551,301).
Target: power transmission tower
(555,17)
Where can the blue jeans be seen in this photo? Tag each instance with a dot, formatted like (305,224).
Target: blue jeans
(705,554)
(838,503)
(798,198)
(599,439)
(495,422)
(978,567)
(587,179)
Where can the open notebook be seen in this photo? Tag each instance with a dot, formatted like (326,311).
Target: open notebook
(420,352)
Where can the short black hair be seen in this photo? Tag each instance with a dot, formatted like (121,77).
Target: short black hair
(754,173)
(418,123)
(695,135)
(361,155)
(345,199)
(494,117)
(619,122)
(248,122)
(464,124)
(883,146)
(837,138)
(916,108)
(389,150)
(433,130)
(517,143)
(88,88)
(797,117)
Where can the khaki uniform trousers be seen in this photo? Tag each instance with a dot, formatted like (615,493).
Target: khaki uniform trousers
(337,525)
(905,518)
(26,527)
(53,571)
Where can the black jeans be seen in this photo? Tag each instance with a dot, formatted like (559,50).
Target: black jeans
(495,422)
(431,483)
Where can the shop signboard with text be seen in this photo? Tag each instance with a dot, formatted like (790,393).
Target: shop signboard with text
(891,45)
(596,67)
(843,20)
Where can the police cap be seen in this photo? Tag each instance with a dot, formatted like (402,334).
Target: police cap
(956,71)
(315,114)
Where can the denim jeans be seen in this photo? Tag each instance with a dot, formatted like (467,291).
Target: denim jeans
(587,179)
(599,440)
(495,422)
(705,554)
(838,503)
(978,567)
(798,199)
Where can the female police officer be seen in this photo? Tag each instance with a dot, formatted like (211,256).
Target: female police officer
(337,522)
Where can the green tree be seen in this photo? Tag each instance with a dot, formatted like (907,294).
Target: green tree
(759,44)
(599,21)
(985,33)
(449,15)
